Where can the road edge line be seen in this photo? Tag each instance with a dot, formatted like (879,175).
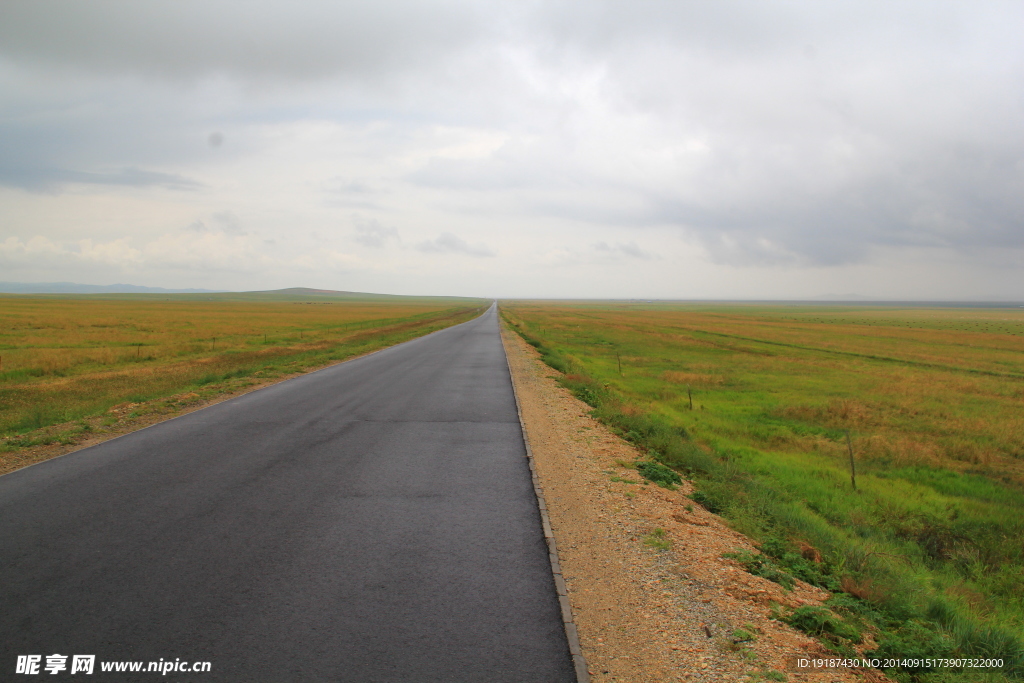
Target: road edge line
(571,635)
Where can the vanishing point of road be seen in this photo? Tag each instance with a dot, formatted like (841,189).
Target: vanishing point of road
(371,521)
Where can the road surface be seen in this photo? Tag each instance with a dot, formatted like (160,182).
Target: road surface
(372,521)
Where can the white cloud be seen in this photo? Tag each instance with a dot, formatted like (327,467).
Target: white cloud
(14,252)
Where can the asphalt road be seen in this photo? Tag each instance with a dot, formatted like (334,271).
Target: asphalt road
(372,521)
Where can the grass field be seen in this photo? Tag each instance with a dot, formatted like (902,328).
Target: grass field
(67,358)
(926,554)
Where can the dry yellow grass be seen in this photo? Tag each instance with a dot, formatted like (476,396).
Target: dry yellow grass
(66,358)
(691,378)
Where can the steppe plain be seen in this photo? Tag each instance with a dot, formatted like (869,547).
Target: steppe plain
(758,407)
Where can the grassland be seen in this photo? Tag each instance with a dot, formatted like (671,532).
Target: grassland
(925,549)
(64,360)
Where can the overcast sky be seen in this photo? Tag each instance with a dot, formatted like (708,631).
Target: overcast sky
(662,148)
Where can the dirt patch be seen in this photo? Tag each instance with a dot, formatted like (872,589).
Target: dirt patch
(653,598)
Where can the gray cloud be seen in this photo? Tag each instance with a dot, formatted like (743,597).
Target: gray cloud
(628,249)
(784,135)
(798,134)
(447,243)
(49,179)
(229,223)
(370,233)
(187,39)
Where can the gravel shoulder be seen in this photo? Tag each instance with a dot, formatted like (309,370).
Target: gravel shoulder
(646,613)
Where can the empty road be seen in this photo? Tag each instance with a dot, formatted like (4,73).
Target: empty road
(372,521)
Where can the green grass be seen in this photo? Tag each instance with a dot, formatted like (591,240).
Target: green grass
(928,551)
(658,540)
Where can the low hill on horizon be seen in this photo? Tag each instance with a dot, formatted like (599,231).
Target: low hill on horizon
(77,288)
(287,294)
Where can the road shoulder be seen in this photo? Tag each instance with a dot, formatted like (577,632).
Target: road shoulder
(646,613)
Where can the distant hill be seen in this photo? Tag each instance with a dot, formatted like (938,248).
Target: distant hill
(75,288)
(289,294)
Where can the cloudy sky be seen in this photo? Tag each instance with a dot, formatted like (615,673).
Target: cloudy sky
(650,148)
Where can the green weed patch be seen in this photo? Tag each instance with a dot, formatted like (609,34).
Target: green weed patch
(659,474)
